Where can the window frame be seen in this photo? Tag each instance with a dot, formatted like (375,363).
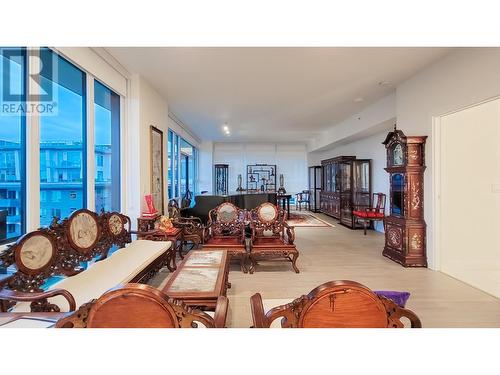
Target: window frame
(84,133)
(176,173)
(30,162)
(22,152)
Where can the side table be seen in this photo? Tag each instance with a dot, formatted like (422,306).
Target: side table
(145,224)
(284,200)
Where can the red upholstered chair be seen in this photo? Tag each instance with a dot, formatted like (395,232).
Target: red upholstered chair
(272,237)
(375,213)
(225,230)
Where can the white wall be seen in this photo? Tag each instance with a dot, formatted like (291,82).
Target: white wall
(205,166)
(290,160)
(147,108)
(469,235)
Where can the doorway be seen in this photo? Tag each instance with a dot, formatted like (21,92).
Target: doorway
(470,196)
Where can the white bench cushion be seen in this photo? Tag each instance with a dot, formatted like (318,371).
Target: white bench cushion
(121,267)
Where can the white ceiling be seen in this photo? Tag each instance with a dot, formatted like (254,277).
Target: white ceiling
(271,94)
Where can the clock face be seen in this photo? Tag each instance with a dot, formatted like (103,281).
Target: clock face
(83,231)
(115,225)
(397,155)
(35,253)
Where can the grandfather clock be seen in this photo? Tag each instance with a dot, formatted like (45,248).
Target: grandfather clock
(405,228)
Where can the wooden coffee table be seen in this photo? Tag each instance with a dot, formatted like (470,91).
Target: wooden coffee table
(200,279)
(30,320)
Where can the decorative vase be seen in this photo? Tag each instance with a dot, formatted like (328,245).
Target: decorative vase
(240,181)
(282,190)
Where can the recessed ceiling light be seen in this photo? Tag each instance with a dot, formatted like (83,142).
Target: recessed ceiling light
(225,128)
(358,100)
(384,83)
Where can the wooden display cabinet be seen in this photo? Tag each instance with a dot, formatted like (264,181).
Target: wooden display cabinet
(405,228)
(315,187)
(221,179)
(346,187)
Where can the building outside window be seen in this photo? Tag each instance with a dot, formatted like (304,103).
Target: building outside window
(62,136)
(107,148)
(12,144)
(182,166)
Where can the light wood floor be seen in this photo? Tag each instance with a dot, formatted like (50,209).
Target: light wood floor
(342,254)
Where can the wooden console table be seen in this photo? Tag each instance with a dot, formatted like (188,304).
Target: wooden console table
(200,279)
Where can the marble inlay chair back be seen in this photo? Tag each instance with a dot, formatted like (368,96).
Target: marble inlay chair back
(270,219)
(335,304)
(35,256)
(88,235)
(141,306)
(226,220)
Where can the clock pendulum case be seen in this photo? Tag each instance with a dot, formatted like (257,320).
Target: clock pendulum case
(405,228)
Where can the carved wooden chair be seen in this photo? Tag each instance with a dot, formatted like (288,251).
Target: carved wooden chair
(303,197)
(226,230)
(272,238)
(142,306)
(186,199)
(335,304)
(370,214)
(192,227)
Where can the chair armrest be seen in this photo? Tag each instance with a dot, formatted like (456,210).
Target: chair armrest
(414,319)
(11,295)
(258,313)
(220,315)
(396,312)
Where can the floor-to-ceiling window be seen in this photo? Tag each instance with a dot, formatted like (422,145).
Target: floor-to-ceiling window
(107,148)
(62,139)
(187,170)
(56,105)
(182,166)
(12,143)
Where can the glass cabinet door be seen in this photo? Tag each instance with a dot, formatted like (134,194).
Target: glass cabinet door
(361,184)
(345,177)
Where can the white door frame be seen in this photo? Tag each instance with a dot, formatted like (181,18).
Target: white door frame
(437,168)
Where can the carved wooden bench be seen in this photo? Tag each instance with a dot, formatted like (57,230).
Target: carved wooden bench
(60,249)
(335,304)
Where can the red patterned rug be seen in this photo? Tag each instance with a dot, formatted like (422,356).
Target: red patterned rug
(306,219)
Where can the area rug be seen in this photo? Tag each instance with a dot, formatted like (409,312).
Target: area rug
(305,219)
